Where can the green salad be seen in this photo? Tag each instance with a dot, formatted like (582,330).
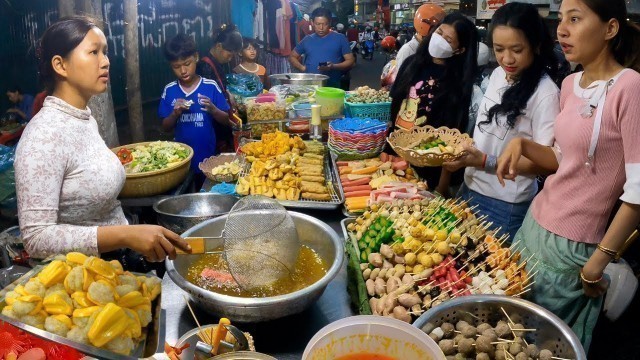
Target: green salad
(155,156)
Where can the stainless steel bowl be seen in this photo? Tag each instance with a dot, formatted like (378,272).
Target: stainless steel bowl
(311,232)
(182,212)
(553,334)
(298,79)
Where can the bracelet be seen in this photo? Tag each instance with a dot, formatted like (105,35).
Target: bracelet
(484,160)
(607,251)
(491,163)
(587,280)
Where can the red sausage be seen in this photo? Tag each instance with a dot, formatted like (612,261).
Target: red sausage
(384,157)
(400,165)
(348,189)
(349,183)
(357,193)
(342,163)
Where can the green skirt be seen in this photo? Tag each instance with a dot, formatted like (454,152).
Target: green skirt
(558,287)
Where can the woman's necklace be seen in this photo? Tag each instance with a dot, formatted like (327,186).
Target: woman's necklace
(251,71)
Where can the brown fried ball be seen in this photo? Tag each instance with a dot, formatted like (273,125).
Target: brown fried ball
(490,333)
(532,350)
(502,329)
(522,356)
(447,347)
(484,326)
(545,355)
(470,332)
(448,330)
(461,325)
(483,356)
(483,344)
(466,346)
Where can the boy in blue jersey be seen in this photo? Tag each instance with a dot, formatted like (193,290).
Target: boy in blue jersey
(191,104)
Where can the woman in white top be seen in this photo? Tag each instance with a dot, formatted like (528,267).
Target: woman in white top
(521,100)
(67,179)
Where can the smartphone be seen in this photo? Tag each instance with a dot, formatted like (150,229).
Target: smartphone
(324,63)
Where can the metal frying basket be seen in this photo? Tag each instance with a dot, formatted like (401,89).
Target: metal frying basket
(553,334)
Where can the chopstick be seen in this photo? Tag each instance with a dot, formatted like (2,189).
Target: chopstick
(201,333)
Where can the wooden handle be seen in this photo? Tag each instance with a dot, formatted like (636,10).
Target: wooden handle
(197,245)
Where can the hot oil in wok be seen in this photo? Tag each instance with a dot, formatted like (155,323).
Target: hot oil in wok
(210,272)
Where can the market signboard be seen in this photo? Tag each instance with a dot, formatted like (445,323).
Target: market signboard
(486,8)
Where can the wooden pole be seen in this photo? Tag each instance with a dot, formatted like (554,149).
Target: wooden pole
(101,105)
(66,8)
(132,65)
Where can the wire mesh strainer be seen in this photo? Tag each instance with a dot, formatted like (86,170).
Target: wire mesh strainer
(261,242)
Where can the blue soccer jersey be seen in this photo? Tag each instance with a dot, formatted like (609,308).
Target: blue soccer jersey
(195,126)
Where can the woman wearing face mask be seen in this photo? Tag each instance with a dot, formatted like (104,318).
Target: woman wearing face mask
(434,86)
(227,42)
(597,162)
(67,179)
(521,100)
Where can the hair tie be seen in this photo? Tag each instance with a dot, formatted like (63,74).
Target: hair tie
(223,26)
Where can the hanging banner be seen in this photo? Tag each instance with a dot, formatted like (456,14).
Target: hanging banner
(486,8)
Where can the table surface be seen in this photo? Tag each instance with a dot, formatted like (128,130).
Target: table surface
(284,338)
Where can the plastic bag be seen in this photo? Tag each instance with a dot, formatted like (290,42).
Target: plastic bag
(11,274)
(7,176)
(244,84)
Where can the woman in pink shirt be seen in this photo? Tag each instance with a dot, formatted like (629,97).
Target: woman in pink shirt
(596,159)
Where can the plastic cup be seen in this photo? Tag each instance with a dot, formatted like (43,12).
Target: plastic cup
(372,335)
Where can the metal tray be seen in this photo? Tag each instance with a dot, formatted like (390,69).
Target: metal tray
(334,164)
(152,344)
(332,182)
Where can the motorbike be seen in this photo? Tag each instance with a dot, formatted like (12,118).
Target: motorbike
(367,49)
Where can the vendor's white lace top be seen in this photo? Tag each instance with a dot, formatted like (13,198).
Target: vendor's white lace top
(67,181)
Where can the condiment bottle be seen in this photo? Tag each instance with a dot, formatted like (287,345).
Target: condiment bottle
(316,123)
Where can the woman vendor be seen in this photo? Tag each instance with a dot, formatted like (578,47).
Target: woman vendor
(597,162)
(67,179)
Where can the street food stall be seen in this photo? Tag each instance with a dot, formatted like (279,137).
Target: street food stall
(374,251)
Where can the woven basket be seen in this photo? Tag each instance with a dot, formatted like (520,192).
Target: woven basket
(208,164)
(154,182)
(403,143)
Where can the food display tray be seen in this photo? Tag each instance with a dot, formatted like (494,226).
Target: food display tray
(153,343)
(334,165)
(332,180)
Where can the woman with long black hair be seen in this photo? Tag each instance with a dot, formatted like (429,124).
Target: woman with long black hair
(434,86)
(521,100)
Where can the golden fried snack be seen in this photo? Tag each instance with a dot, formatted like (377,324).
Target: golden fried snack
(313,196)
(310,161)
(310,170)
(312,187)
(313,156)
(293,194)
(311,178)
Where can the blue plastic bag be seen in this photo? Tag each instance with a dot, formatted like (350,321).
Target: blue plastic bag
(7,177)
(245,85)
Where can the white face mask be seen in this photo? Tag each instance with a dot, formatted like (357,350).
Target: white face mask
(439,47)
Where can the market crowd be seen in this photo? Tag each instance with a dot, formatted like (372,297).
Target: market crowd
(526,120)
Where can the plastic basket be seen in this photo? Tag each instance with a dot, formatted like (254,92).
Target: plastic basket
(379,111)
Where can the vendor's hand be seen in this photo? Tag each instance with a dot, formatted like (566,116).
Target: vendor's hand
(155,242)
(594,290)
(474,158)
(326,68)
(207,105)
(180,106)
(508,161)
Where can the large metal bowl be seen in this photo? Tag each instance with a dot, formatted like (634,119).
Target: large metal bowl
(311,232)
(182,212)
(552,333)
(298,79)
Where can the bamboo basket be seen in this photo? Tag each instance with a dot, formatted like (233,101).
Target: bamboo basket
(154,182)
(403,142)
(208,164)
